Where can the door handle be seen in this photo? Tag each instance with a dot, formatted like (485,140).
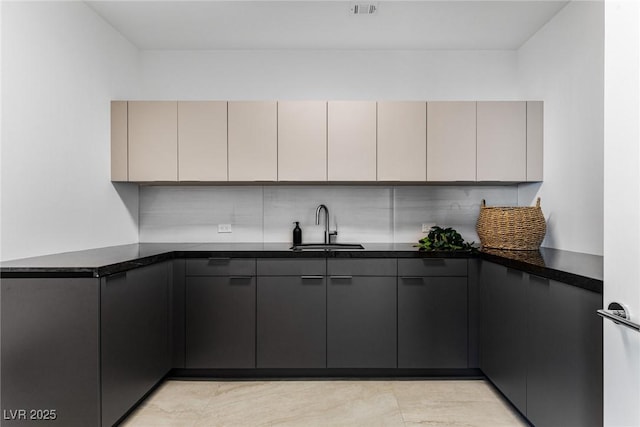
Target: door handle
(619,314)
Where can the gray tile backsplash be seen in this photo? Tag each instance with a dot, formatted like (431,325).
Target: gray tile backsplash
(364,214)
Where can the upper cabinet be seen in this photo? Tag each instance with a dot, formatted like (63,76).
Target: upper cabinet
(351,142)
(535,127)
(402,141)
(253,141)
(202,141)
(302,141)
(335,141)
(451,141)
(119,141)
(502,141)
(153,140)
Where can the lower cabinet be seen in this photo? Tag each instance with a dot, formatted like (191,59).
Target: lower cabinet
(503,331)
(432,313)
(50,352)
(541,345)
(361,313)
(220,314)
(564,370)
(291,313)
(135,328)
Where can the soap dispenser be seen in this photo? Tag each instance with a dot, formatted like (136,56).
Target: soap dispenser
(297,234)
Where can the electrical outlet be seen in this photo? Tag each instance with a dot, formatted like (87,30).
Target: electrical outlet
(426,227)
(224,228)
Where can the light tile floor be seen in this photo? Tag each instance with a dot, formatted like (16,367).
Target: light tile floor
(468,403)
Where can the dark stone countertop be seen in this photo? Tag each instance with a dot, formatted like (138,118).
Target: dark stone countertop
(577,269)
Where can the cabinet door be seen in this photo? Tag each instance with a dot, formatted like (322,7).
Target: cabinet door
(119,142)
(432,322)
(503,334)
(402,141)
(253,141)
(153,140)
(51,350)
(135,344)
(292,322)
(361,322)
(502,141)
(220,322)
(202,141)
(535,139)
(451,141)
(351,142)
(302,141)
(564,381)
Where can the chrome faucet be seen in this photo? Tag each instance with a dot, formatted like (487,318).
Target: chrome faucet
(328,235)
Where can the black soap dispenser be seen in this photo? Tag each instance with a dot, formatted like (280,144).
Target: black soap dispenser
(297,234)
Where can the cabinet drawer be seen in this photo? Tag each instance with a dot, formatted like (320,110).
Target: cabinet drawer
(221,267)
(432,267)
(291,267)
(362,267)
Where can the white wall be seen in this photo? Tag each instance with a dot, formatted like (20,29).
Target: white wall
(61,65)
(329,74)
(563,64)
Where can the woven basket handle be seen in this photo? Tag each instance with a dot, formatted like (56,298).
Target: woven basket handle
(538,203)
(483,204)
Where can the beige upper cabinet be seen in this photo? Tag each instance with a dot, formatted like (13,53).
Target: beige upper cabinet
(153,140)
(351,141)
(119,142)
(451,141)
(402,141)
(502,141)
(535,126)
(253,141)
(336,141)
(202,141)
(302,141)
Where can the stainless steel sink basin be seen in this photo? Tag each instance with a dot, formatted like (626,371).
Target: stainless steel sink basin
(327,246)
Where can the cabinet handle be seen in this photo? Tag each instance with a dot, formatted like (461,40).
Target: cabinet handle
(219,259)
(341,277)
(412,277)
(312,277)
(116,275)
(240,277)
(434,261)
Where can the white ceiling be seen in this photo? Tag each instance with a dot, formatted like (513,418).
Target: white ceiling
(477,24)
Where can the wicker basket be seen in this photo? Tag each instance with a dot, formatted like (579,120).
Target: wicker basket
(513,228)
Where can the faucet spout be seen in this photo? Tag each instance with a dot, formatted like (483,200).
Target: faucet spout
(326,221)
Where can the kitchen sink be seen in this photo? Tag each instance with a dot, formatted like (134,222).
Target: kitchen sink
(326,246)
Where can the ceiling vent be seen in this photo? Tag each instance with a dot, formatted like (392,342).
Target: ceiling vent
(363,8)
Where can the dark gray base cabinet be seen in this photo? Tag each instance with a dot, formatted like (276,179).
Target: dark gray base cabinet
(220,322)
(220,313)
(362,314)
(292,322)
(292,313)
(433,304)
(564,371)
(135,336)
(432,322)
(503,331)
(50,352)
(541,345)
